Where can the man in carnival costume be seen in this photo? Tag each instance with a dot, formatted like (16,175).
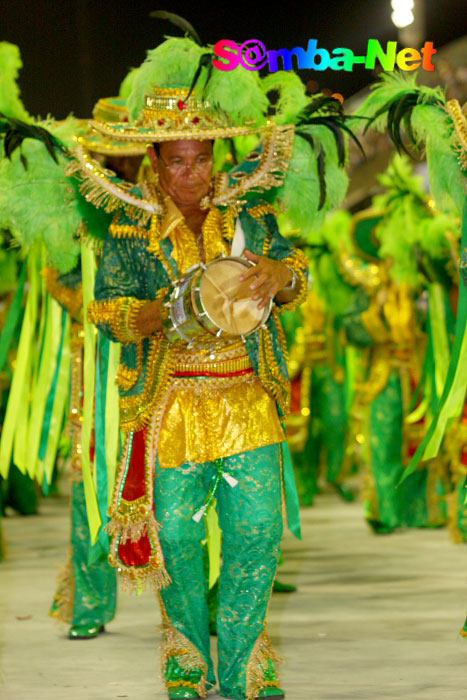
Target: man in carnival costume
(86,592)
(201,422)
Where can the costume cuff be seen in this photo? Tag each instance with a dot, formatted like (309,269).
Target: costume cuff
(299,264)
(114,316)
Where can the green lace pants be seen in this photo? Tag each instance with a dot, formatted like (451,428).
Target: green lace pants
(250,518)
(420,500)
(87,593)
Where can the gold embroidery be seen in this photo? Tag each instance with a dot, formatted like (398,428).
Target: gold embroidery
(128,231)
(214,245)
(261,210)
(269,372)
(300,264)
(262,655)
(174,643)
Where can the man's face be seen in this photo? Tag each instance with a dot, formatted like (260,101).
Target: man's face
(184,169)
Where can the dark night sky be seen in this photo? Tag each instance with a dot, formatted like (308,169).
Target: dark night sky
(75,51)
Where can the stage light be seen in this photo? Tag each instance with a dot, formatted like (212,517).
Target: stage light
(402,14)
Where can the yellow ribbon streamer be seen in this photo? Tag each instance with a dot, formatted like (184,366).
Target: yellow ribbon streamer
(88,266)
(18,401)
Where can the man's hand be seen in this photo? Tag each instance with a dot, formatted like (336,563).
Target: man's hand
(267,278)
(148,320)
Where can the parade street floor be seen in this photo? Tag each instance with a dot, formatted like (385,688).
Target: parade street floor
(374,618)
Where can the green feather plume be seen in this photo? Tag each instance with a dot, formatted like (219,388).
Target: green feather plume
(391,89)
(40,202)
(238,93)
(336,231)
(447,182)
(172,63)
(10,65)
(127,83)
(301,192)
(292,98)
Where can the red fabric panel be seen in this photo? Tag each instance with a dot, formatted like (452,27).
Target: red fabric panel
(135,553)
(134,485)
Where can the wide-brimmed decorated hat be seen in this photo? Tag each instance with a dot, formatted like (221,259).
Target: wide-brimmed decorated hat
(169,114)
(109,111)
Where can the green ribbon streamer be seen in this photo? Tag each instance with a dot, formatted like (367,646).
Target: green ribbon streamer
(44,380)
(88,266)
(14,313)
(214,539)
(291,495)
(453,396)
(60,405)
(102,547)
(437,320)
(18,400)
(52,393)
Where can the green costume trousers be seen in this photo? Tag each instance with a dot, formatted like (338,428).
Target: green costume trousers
(419,501)
(87,593)
(250,518)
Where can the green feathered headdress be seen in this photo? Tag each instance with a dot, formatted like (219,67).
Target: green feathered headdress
(396,102)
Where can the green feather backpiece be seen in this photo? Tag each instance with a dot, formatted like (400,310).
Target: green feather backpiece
(412,235)
(292,98)
(39,202)
(10,65)
(301,193)
(432,126)
(394,89)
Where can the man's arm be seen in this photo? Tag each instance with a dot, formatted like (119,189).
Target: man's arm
(121,309)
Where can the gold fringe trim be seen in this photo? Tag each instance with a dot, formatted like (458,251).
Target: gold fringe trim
(460,129)
(128,231)
(128,376)
(271,171)
(270,374)
(463,633)
(299,263)
(257,665)
(137,411)
(260,210)
(97,187)
(65,595)
(174,643)
(117,313)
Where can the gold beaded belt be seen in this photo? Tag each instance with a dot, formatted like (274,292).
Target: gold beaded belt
(222,368)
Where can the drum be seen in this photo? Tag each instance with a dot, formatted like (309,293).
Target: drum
(211,301)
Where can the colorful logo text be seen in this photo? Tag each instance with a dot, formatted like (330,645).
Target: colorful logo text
(252,55)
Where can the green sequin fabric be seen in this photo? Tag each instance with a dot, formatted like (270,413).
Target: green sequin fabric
(251,522)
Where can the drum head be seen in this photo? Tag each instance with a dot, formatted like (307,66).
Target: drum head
(227,300)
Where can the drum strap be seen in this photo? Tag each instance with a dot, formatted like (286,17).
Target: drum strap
(238,243)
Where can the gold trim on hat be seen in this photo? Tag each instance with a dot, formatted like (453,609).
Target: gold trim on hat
(167,115)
